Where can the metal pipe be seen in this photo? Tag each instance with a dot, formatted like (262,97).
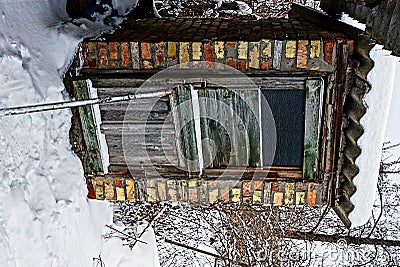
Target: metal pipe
(11,111)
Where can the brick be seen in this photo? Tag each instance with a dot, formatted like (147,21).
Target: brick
(242,65)
(145,49)
(231,62)
(119,182)
(196,51)
(213,195)
(258,185)
(124,54)
(278,198)
(162,191)
(289,194)
(328,51)
(267,193)
(266,47)
(114,64)
(208,54)
(315,50)
(184,56)
(230,48)
(151,183)
(311,195)
(300,186)
(300,198)
(135,55)
(182,190)
(219,49)
(257,197)
(99,191)
(130,189)
(264,64)
(160,54)
(120,191)
(278,47)
(236,194)
(113,48)
(290,49)
(92,54)
(193,183)
(254,55)
(246,188)
(224,192)
(103,54)
(151,194)
(171,50)
(243,50)
(172,194)
(302,54)
(109,189)
(193,195)
(275,186)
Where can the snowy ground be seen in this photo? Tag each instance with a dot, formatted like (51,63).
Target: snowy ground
(378,101)
(45,218)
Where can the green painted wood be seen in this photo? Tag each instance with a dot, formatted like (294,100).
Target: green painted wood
(89,128)
(187,131)
(233,121)
(246,105)
(311,136)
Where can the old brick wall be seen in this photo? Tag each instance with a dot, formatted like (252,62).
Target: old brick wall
(261,191)
(263,55)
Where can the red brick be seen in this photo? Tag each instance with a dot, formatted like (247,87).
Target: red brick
(231,62)
(242,65)
(311,195)
(124,55)
(118,182)
(231,44)
(328,51)
(91,194)
(208,54)
(103,54)
(264,64)
(224,193)
(160,56)
(145,48)
(114,64)
(113,48)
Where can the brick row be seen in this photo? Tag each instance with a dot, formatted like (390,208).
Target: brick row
(262,55)
(264,192)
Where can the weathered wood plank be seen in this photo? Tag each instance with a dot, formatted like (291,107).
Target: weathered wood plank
(311,133)
(89,128)
(187,131)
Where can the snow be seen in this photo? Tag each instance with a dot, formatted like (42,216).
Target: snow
(374,122)
(45,217)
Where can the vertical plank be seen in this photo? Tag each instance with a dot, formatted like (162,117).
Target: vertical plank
(88,128)
(187,128)
(311,135)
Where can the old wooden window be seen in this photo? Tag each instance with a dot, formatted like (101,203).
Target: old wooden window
(219,127)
